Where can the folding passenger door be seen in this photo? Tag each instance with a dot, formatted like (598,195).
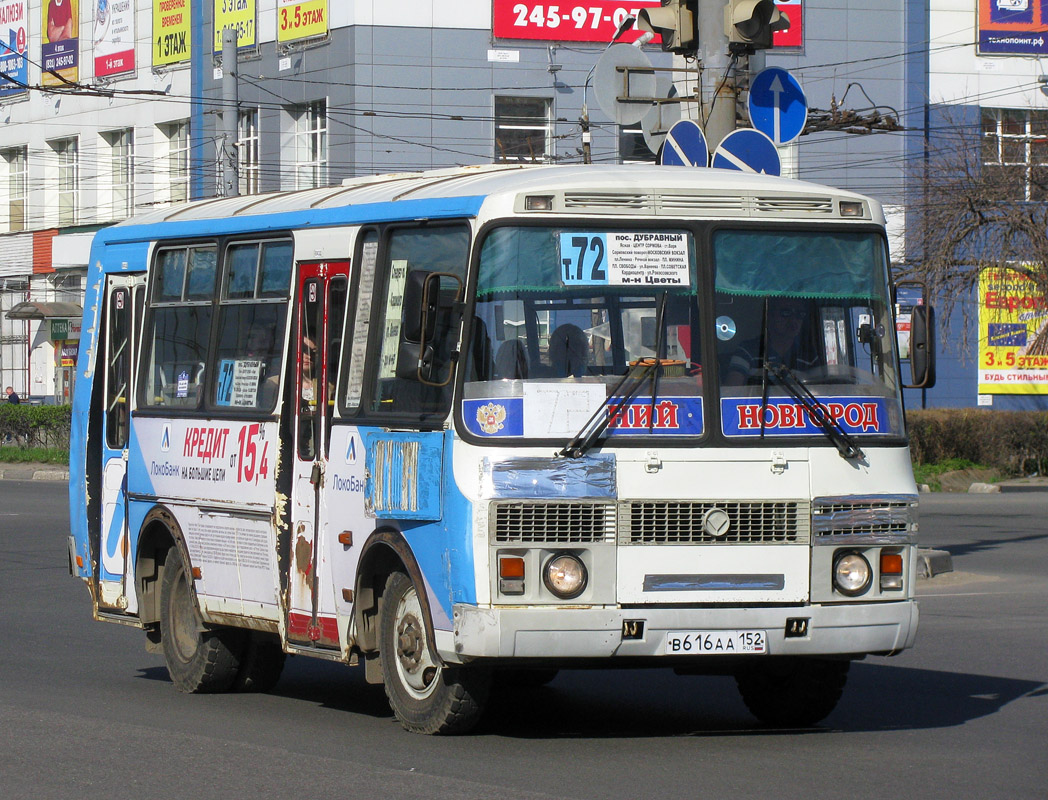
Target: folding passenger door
(320,313)
(124,302)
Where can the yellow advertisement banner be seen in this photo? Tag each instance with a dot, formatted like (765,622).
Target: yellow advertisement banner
(1013,334)
(301,19)
(171,39)
(239,14)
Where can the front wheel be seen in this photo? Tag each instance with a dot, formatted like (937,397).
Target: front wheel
(793,692)
(199,659)
(426,696)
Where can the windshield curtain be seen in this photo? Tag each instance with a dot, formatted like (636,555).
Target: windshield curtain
(799,263)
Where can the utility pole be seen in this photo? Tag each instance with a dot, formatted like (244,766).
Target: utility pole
(228,161)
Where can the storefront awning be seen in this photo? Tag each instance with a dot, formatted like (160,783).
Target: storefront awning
(33,309)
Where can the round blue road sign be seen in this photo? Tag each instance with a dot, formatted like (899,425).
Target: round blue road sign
(778,107)
(685,146)
(747,150)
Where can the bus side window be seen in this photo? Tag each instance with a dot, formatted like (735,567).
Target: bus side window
(176,340)
(412,258)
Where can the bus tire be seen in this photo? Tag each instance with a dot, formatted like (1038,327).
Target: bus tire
(261,664)
(793,692)
(199,659)
(425,696)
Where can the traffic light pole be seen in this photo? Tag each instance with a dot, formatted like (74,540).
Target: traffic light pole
(717,73)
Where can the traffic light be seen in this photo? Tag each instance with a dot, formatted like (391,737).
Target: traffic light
(749,24)
(674,22)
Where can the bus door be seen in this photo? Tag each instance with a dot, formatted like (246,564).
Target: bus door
(124,301)
(321,308)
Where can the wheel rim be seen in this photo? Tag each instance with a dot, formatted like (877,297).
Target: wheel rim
(416,669)
(184,628)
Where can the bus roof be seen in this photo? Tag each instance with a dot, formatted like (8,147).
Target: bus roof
(610,190)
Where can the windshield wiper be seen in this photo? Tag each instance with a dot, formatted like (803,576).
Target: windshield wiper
(787,378)
(660,346)
(595,426)
(637,374)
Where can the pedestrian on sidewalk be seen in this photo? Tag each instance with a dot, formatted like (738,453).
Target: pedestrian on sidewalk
(12,396)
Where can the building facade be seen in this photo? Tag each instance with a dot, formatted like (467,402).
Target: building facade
(125,110)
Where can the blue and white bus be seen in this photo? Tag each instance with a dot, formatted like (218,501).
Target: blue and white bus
(487,423)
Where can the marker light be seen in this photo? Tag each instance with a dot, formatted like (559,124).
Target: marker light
(565,576)
(891,571)
(851,574)
(851,208)
(538,202)
(511,575)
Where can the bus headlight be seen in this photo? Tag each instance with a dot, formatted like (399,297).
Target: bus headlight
(851,574)
(565,576)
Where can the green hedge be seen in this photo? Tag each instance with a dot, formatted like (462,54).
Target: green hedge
(1013,442)
(35,426)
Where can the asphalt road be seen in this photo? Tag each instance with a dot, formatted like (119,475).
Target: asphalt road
(85,711)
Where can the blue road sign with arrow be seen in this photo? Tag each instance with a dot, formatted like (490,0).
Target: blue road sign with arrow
(747,150)
(685,146)
(778,107)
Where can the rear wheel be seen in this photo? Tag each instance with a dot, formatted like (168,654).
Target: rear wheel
(261,664)
(199,659)
(794,692)
(425,696)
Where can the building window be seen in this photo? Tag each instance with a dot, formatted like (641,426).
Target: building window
(67,153)
(247,151)
(17,161)
(310,145)
(177,136)
(1015,149)
(523,130)
(122,171)
(633,149)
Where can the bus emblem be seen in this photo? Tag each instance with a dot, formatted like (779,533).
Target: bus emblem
(491,417)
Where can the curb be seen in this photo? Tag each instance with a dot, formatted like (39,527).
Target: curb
(34,475)
(933,562)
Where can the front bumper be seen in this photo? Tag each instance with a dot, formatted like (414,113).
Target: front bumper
(555,633)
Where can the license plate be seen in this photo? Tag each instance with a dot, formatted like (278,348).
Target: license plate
(684,643)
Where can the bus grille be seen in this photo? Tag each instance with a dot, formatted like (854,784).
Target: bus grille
(682,523)
(556,523)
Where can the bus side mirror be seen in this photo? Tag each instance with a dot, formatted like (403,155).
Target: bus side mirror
(922,348)
(431,313)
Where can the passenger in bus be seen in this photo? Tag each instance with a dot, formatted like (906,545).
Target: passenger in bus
(511,360)
(568,351)
(784,344)
(259,345)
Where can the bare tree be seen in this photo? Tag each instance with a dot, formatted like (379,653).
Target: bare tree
(979,200)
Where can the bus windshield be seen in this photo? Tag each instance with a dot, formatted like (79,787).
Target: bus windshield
(807,308)
(562,314)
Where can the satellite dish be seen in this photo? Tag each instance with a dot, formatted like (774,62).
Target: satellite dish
(609,83)
(660,117)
